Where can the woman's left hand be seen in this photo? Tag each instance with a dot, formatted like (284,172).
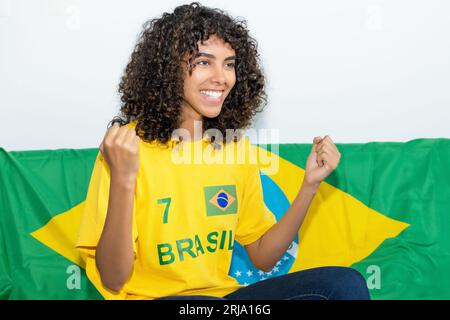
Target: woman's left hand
(323,159)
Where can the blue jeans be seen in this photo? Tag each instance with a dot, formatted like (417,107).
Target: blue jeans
(324,283)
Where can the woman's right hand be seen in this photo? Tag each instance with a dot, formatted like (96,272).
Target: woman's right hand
(120,148)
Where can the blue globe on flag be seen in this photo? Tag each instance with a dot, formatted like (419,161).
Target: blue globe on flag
(242,269)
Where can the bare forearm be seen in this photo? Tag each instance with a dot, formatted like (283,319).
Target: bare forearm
(277,239)
(114,255)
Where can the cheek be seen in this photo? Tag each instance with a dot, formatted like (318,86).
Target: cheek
(189,89)
(232,78)
(192,83)
(232,82)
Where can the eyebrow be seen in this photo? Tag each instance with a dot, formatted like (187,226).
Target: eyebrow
(208,55)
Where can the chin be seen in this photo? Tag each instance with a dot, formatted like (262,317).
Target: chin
(211,113)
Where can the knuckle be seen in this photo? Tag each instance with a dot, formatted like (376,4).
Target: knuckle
(131,148)
(107,143)
(116,144)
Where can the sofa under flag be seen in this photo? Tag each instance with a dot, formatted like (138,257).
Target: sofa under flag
(384,211)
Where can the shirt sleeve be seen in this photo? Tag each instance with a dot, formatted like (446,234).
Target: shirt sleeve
(254,217)
(95,209)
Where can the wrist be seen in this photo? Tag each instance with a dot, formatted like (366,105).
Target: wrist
(124,180)
(310,187)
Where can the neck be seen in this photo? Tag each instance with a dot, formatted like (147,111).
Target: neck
(189,120)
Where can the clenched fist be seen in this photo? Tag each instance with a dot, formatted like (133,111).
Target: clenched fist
(120,148)
(323,159)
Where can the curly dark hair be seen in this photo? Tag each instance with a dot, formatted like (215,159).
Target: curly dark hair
(151,88)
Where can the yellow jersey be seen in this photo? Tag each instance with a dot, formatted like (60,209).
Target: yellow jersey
(192,201)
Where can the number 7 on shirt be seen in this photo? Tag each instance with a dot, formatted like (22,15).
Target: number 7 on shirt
(166,210)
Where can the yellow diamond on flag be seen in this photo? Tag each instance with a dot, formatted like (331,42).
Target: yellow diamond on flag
(61,232)
(338,229)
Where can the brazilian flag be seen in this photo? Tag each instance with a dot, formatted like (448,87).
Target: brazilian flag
(384,211)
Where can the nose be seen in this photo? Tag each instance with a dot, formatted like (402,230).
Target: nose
(219,76)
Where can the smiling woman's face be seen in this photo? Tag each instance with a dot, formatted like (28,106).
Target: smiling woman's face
(211,80)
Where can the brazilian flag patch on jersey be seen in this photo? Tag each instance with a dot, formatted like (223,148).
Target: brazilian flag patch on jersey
(220,200)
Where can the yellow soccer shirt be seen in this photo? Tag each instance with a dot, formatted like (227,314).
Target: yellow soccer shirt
(187,214)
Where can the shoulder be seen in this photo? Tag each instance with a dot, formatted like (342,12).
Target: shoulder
(242,151)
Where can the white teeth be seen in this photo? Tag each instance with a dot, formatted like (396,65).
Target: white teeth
(212,94)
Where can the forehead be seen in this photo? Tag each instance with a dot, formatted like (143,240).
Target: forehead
(215,43)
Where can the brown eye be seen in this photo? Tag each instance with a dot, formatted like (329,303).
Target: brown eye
(202,62)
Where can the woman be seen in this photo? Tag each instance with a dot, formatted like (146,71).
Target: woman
(156,228)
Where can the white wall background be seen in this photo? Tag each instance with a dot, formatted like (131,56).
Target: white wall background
(358,70)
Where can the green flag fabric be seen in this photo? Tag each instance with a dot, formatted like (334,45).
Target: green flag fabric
(409,182)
